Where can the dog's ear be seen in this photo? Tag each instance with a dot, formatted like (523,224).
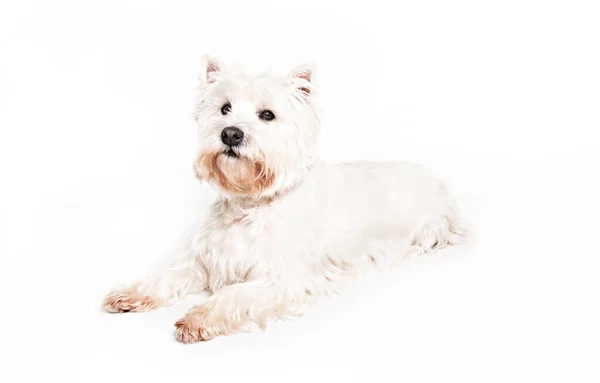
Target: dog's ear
(212,67)
(303,78)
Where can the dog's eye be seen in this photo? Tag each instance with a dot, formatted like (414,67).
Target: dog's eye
(226,108)
(266,115)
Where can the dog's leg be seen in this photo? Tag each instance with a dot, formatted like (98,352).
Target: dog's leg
(185,274)
(182,277)
(237,308)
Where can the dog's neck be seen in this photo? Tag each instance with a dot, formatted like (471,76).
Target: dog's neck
(254,202)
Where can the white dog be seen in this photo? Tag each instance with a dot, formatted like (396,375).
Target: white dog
(287,229)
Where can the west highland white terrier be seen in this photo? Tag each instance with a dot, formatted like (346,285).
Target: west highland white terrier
(286,229)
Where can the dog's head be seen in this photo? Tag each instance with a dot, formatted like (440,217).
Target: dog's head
(257,132)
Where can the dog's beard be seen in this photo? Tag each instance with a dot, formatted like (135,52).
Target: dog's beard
(235,173)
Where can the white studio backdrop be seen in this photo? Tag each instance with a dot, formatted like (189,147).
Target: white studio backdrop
(501,98)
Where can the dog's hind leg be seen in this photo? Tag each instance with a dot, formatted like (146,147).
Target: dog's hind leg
(446,229)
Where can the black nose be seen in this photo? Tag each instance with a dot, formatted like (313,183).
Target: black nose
(232,136)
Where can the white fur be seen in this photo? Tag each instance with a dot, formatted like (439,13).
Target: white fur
(272,252)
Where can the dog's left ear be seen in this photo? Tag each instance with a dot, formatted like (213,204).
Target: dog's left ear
(212,68)
(303,78)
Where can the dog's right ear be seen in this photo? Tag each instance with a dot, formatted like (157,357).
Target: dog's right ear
(212,67)
(303,78)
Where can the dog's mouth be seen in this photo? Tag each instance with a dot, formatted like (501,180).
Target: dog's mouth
(230,153)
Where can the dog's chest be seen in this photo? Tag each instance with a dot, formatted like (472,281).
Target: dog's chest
(237,246)
(253,243)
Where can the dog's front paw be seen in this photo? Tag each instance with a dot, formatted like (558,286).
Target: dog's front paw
(129,299)
(191,328)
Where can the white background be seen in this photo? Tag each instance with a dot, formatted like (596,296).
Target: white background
(501,98)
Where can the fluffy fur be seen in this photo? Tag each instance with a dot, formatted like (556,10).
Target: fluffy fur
(287,229)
